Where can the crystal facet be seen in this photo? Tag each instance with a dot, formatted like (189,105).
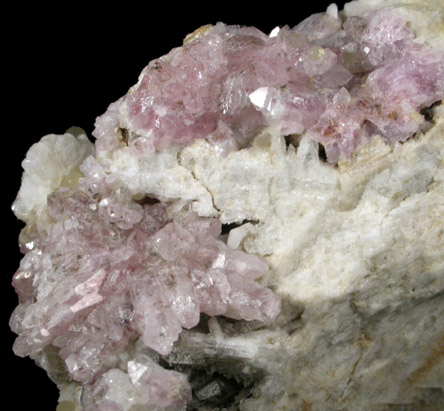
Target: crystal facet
(202,253)
(231,81)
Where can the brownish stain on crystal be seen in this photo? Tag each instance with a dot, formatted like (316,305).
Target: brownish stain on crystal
(125,135)
(393,115)
(197,33)
(362,103)
(306,406)
(331,128)
(436,355)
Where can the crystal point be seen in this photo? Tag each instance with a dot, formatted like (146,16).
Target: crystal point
(257,225)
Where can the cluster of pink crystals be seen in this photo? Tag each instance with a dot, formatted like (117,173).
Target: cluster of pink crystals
(114,270)
(342,82)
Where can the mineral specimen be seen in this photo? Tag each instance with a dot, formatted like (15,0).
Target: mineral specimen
(111,269)
(339,83)
(203,254)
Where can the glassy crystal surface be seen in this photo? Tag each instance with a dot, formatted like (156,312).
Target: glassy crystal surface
(201,252)
(339,82)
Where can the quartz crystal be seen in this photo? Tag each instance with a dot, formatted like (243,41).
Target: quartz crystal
(258,224)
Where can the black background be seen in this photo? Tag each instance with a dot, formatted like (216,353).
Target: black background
(64,65)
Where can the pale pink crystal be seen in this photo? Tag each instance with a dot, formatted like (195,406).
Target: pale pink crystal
(320,25)
(113,270)
(232,81)
(157,384)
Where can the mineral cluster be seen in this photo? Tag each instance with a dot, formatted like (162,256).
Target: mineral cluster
(338,82)
(258,225)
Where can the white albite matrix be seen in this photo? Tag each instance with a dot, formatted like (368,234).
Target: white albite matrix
(355,250)
(51,163)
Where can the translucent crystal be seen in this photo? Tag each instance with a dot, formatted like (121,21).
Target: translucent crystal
(230,81)
(112,270)
(125,271)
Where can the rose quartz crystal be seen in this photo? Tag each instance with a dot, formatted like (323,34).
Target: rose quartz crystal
(340,83)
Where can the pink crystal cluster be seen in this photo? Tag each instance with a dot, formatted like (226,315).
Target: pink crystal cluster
(114,270)
(341,82)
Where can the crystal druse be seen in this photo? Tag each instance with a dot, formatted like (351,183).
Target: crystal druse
(258,224)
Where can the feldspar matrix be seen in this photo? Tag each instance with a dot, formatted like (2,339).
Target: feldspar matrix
(203,253)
